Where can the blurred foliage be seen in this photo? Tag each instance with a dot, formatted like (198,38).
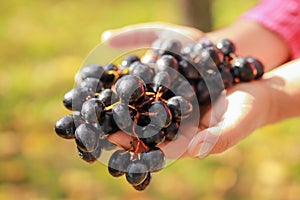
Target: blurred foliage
(43,44)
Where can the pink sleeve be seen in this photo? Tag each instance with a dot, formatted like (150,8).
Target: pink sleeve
(282,17)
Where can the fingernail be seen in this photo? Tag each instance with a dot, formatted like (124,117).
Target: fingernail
(106,35)
(204,149)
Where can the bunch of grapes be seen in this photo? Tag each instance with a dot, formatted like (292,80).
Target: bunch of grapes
(148,101)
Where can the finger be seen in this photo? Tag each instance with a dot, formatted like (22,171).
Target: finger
(177,148)
(207,142)
(216,112)
(121,139)
(233,127)
(144,34)
(128,38)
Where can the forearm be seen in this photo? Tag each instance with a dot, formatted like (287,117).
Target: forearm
(255,40)
(283,85)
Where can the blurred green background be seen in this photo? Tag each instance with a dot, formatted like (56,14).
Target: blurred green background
(43,44)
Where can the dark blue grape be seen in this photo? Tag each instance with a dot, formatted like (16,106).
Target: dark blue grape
(90,71)
(142,71)
(74,99)
(179,107)
(92,110)
(154,159)
(169,64)
(122,117)
(188,69)
(128,60)
(65,127)
(108,124)
(90,157)
(142,186)
(151,135)
(108,78)
(171,47)
(130,88)
(163,116)
(225,46)
(184,89)
(243,70)
(163,80)
(92,84)
(108,97)
(86,137)
(210,87)
(227,78)
(187,50)
(136,172)
(209,57)
(118,163)
(171,132)
(258,66)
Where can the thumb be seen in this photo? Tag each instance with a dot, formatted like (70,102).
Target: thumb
(235,124)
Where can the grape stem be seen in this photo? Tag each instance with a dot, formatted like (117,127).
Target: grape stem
(139,142)
(108,108)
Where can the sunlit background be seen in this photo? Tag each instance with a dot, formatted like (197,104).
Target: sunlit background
(43,44)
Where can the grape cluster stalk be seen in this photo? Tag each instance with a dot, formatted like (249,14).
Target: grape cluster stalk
(148,101)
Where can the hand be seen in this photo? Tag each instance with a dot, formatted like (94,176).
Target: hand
(229,120)
(235,115)
(247,108)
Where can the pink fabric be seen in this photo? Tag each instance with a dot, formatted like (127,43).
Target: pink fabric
(282,17)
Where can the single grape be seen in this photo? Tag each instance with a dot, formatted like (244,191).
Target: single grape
(225,46)
(187,50)
(179,107)
(161,80)
(154,159)
(170,46)
(90,157)
(65,127)
(74,99)
(121,116)
(136,172)
(184,89)
(108,97)
(209,57)
(108,124)
(243,70)
(108,78)
(163,116)
(142,71)
(151,135)
(130,88)
(89,71)
(142,186)
(210,87)
(86,137)
(128,60)
(93,84)
(258,66)
(169,64)
(93,110)
(204,43)
(227,78)
(118,162)
(171,132)
(188,69)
